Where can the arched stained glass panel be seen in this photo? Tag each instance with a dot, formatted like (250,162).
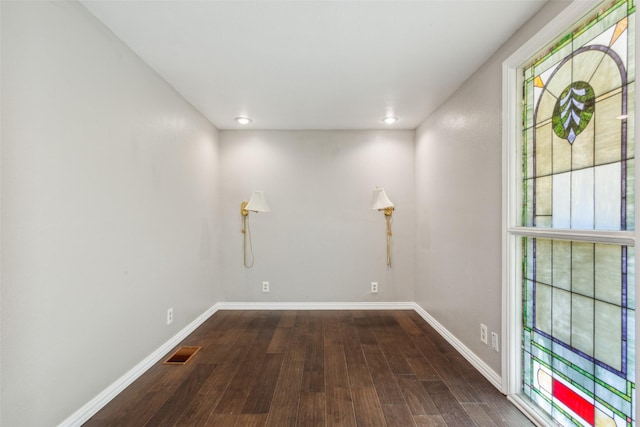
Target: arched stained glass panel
(578,174)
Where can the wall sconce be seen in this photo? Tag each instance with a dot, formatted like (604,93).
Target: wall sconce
(257,203)
(381,202)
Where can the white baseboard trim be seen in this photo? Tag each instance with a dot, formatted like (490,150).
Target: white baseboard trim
(492,376)
(316,306)
(83,414)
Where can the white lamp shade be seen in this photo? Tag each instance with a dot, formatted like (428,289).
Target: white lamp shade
(380,200)
(258,203)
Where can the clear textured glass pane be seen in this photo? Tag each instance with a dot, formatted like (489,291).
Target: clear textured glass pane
(607,196)
(582,202)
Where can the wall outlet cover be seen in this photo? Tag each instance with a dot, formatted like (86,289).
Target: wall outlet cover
(494,341)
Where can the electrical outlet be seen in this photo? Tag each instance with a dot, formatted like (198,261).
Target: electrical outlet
(374,287)
(265,286)
(170,316)
(494,341)
(483,333)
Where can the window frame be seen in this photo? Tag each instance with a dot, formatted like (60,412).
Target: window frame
(512,95)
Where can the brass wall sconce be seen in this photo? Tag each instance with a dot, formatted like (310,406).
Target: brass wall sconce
(381,202)
(257,203)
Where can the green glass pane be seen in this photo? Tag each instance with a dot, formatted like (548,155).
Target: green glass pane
(631,198)
(543,307)
(528,251)
(561,315)
(543,195)
(631,119)
(551,61)
(543,150)
(561,154)
(582,323)
(528,155)
(528,73)
(561,259)
(608,130)
(631,274)
(608,274)
(608,333)
(582,268)
(528,304)
(529,96)
(543,261)
(545,107)
(631,54)
(583,147)
(528,203)
(607,77)
(586,64)
(561,80)
(543,221)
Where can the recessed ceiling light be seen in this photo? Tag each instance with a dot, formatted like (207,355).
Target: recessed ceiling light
(243,120)
(389,120)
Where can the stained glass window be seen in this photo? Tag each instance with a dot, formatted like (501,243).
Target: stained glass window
(578,164)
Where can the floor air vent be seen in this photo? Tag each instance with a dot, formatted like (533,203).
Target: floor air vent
(182,355)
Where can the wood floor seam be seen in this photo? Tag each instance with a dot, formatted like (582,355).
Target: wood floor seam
(314,368)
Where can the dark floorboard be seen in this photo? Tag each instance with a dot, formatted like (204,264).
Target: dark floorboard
(314,368)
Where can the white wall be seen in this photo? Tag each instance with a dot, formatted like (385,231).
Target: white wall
(459,200)
(109,211)
(320,242)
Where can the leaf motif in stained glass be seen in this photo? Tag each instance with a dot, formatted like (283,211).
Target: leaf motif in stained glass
(573,110)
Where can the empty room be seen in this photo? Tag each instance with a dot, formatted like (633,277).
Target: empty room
(317,213)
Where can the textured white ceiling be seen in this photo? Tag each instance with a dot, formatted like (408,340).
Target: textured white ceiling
(314,64)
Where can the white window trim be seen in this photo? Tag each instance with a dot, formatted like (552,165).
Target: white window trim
(511,200)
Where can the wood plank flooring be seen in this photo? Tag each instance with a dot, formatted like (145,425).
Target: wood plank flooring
(313,368)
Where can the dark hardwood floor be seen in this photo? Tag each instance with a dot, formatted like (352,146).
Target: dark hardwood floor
(313,368)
